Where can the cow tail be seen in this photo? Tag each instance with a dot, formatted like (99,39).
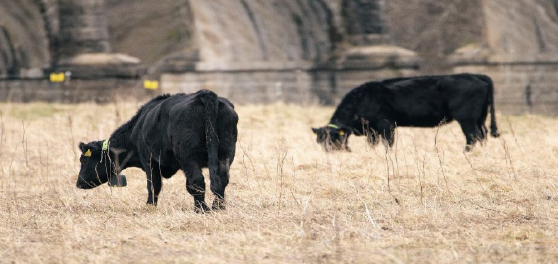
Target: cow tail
(493,126)
(211,105)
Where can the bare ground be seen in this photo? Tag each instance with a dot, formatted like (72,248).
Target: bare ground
(424,201)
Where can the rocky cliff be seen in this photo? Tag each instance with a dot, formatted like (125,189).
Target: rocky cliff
(24,47)
(324,45)
(35,33)
(248,31)
(523,28)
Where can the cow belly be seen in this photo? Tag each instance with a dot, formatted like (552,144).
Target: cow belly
(422,121)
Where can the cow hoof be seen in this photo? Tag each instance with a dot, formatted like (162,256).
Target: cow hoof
(218,205)
(151,202)
(202,208)
(199,210)
(468,148)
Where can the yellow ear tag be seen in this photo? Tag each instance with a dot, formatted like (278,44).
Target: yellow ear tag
(87,153)
(341,132)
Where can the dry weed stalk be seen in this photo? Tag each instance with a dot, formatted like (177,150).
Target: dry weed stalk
(440,155)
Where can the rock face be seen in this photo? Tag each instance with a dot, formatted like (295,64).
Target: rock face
(522,27)
(84,48)
(83,28)
(247,31)
(362,17)
(23,40)
(435,28)
(152,30)
(255,51)
(519,54)
(294,50)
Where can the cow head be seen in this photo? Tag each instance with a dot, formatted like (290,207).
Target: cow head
(333,137)
(95,165)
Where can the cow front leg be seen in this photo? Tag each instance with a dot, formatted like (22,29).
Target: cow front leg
(387,131)
(371,137)
(195,185)
(154,185)
(219,183)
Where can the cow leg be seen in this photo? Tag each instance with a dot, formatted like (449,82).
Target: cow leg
(154,184)
(219,183)
(483,132)
(471,131)
(372,137)
(195,185)
(387,131)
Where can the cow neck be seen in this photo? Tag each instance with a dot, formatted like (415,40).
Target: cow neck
(120,139)
(344,113)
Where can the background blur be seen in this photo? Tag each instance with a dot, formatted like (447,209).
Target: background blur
(258,51)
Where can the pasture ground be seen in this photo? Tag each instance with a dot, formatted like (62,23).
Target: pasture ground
(424,201)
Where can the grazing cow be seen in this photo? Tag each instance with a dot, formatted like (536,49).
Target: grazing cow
(182,131)
(375,109)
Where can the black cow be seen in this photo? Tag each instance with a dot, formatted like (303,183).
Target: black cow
(376,108)
(182,131)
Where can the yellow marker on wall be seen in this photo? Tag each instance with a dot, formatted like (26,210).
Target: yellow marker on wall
(57,77)
(151,85)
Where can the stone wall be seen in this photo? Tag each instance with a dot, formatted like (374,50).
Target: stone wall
(301,86)
(297,82)
(101,90)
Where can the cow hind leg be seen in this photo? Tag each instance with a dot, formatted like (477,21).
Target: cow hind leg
(483,133)
(195,184)
(219,183)
(471,131)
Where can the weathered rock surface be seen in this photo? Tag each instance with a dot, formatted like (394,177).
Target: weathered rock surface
(521,27)
(277,48)
(152,30)
(23,39)
(246,31)
(83,27)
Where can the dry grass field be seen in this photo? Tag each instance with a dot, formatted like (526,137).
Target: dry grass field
(424,201)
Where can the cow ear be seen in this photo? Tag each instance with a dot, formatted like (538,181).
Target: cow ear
(81,146)
(345,130)
(315,130)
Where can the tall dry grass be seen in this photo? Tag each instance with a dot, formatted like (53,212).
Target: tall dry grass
(424,201)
